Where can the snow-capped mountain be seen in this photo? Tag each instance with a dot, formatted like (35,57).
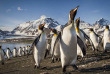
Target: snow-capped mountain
(30,27)
(102,22)
(99,25)
(3,33)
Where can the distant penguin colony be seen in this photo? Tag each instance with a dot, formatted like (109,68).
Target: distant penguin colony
(65,45)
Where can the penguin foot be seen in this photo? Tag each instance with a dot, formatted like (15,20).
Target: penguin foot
(105,51)
(52,61)
(75,67)
(64,69)
(56,59)
(36,67)
(2,63)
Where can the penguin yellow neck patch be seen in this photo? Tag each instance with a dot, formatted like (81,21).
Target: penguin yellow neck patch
(77,29)
(55,35)
(91,31)
(106,29)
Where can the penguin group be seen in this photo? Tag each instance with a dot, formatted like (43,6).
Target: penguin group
(64,46)
(8,54)
(67,44)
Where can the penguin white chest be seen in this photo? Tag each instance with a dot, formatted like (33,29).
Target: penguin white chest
(106,39)
(57,47)
(68,46)
(14,52)
(8,54)
(41,45)
(94,39)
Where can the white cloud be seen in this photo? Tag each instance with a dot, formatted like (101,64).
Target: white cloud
(8,10)
(19,9)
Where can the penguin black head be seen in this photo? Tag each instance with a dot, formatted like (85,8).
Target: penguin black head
(91,29)
(77,23)
(41,26)
(24,47)
(73,13)
(20,47)
(107,27)
(54,31)
(7,48)
(14,47)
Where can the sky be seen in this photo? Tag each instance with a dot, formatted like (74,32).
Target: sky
(14,12)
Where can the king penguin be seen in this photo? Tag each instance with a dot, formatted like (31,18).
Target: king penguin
(106,38)
(20,52)
(14,52)
(1,56)
(8,53)
(39,46)
(57,46)
(68,42)
(94,38)
(80,52)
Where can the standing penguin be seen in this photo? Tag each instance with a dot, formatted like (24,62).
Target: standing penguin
(24,51)
(106,38)
(94,38)
(57,46)
(80,52)
(20,52)
(39,46)
(68,43)
(83,37)
(8,53)
(14,52)
(1,56)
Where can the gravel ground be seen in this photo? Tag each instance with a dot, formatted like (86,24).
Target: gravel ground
(93,63)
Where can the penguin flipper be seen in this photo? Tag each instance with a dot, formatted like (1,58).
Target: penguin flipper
(82,45)
(35,41)
(87,37)
(4,52)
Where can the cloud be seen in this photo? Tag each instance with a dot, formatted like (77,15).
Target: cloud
(8,10)
(19,9)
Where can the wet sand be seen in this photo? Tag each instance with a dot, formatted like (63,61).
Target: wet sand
(93,63)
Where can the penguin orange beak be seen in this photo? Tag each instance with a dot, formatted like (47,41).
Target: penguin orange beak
(73,13)
(76,8)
